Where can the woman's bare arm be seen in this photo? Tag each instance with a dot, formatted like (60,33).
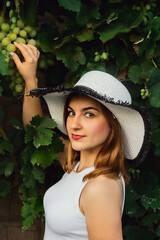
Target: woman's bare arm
(31,105)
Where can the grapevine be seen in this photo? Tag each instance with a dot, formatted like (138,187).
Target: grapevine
(13,29)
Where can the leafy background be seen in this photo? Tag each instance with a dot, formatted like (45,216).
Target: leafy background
(116,36)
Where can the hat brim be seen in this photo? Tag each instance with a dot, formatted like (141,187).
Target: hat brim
(135,121)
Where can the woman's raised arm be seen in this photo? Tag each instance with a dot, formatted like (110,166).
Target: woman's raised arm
(31,105)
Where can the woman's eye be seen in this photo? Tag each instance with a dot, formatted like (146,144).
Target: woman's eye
(89,115)
(70,113)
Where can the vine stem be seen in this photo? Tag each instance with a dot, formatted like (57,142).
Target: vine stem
(13,157)
(4,8)
(154,63)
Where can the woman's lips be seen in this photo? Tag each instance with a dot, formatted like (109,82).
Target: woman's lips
(77,137)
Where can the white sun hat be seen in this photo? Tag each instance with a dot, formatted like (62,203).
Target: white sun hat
(109,91)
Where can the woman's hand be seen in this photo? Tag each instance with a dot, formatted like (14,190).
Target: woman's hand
(27,68)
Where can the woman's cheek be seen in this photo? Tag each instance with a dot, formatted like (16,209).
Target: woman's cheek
(102,129)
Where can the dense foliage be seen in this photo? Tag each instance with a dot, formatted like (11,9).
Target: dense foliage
(74,36)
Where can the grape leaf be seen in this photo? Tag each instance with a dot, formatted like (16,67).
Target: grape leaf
(28,177)
(72,56)
(4,68)
(5,146)
(135,232)
(38,173)
(6,166)
(43,137)
(47,122)
(86,15)
(134,73)
(35,121)
(112,30)
(152,199)
(155,137)
(154,99)
(29,11)
(5,187)
(150,219)
(27,152)
(86,35)
(16,124)
(72,5)
(30,133)
(44,156)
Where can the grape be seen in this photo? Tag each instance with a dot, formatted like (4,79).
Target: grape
(23,33)
(148,6)
(143,90)
(1,19)
(11,13)
(20,40)
(7,59)
(8,4)
(4,52)
(5,27)
(20,24)
(104,56)
(12,36)
(11,71)
(97,58)
(33,33)
(18,88)
(2,35)
(32,42)
(96,53)
(11,85)
(50,62)
(28,29)
(6,41)
(42,64)
(11,47)
(13,19)
(16,30)
(19,80)
(13,26)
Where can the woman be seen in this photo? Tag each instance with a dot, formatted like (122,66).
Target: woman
(103,129)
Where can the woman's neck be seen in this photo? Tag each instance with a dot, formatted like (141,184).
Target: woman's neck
(87,159)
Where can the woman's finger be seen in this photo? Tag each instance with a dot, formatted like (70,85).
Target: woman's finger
(24,52)
(16,59)
(33,52)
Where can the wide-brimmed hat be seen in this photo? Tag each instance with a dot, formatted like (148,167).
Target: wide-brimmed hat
(109,91)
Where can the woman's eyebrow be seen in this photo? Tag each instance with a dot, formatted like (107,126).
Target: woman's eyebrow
(86,108)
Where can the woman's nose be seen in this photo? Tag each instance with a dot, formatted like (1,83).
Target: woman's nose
(76,123)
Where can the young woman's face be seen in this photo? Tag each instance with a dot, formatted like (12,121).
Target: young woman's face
(86,124)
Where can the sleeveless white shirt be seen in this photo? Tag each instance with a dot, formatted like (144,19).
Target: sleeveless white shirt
(63,218)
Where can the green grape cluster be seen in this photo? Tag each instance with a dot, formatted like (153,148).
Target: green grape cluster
(16,82)
(45,61)
(144,93)
(101,57)
(13,29)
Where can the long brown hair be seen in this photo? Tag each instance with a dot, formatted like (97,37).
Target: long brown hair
(110,159)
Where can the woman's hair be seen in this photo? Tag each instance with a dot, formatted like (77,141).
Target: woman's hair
(110,158)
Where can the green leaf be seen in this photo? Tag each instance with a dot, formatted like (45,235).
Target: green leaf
(154,99)
(35,121)
(72,5)
(86,15)
(123,57)
(72,56)
(134,73)
(27,152)
(29,11)
(30,133)
(5,146)
(47,122)
(43,137)
(150,219)
(28,177)
(155,74)
(155,137)
(46,37)
(1,90)
(16,124)
(135,232)
(86,35)
(111,31)
(38,173)
(44,156)
(5,187)
(152,199)
(4,68)
(6,166)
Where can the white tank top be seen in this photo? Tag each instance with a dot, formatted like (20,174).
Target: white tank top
(63,218)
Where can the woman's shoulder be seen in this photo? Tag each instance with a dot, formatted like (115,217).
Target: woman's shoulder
(102,187)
